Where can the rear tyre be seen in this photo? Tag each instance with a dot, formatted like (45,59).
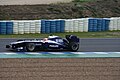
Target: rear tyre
(74,46)
(30,47)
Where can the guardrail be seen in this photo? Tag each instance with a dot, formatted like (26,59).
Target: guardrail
(59,25)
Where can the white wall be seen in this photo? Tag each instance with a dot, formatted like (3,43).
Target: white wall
(26,26)
(76,25)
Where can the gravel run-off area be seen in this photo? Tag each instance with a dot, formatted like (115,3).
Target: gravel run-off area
(60,69)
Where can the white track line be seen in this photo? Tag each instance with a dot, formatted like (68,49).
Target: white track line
(32,53)
(78,52)
(56,53)
(60,53)
(100,52)
(8,53)
(116,52)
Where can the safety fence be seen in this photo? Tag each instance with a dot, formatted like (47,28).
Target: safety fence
(6,27)
(87,25)
(98,25)
(59,25)
(114,23)
(52,26)
(76,25)
(26,26)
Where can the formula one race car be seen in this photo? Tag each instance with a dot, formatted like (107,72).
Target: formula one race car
(70,43)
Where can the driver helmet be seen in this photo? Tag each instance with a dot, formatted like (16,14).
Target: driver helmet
(52,36)
(45,39)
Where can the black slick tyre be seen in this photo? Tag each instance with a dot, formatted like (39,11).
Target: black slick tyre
(30,47)
(74,46)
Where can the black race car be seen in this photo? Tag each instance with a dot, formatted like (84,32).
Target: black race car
(70,42)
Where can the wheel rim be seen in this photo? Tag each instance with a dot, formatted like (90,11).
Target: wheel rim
(75,47)
(31,47)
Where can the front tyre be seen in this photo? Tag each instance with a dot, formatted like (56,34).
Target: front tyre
(74,46)
(30,47)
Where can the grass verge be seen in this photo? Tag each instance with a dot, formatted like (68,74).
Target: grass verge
(108,34)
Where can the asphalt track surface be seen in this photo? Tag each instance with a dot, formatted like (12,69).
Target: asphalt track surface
(86,44)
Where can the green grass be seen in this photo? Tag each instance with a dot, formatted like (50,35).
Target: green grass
(109,34)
